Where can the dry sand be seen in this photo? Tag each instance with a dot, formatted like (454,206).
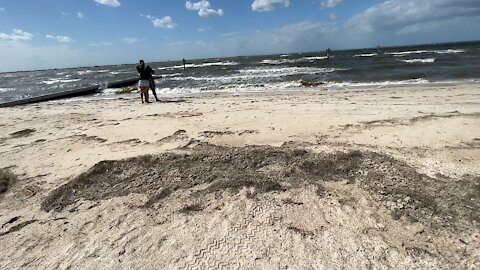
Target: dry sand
(370,179)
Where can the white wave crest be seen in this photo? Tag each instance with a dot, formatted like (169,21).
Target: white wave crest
(280,61)
(83,72)
(54,81)
(232,88)
(247,75)
(285,71)
(405,53)
(225,63)
(450,51)
(421,60)
(4,90)
(171,75)
(313,58)
(380,84)
(365,55)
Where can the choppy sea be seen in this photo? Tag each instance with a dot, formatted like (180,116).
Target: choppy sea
(376,67)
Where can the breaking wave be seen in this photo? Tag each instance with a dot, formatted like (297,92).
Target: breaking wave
(365,55)
(421,60)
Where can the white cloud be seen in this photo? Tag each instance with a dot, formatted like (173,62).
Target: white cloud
(203,8)
(408,16)
(17,35)
(112,3)
(101,44)
(2,9)
(268,5)
(62,39)
(130,40)
(330,3)
(231,34)
(333,17)
(165,22)
(203,29)
(65,13)
(80,15)
(147,16)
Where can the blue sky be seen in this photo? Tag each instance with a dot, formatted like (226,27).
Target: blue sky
(38,34)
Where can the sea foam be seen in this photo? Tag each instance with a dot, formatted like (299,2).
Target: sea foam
(365,55)
(421,60)
(54,81)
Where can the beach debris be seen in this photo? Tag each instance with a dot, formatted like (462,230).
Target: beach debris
(6,179)
(22,133)
(18,227)
(12,220)
(211,134)
(308,83)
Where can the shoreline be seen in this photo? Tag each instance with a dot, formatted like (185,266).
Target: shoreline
(428,134)
(329,86)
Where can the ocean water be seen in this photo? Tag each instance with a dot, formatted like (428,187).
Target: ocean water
(376,67)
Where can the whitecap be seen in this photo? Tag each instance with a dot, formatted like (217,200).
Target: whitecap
(316,57)
(380,84)
(226,63)
(421,60)
(406,53)
(232,88)
(54,81)
(4,90)
(449,51)
(83,72)
(280,61)
(365,55)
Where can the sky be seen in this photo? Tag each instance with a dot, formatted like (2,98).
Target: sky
(41,34)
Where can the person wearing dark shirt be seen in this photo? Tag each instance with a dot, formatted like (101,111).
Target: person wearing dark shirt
(150,71)
(144,82)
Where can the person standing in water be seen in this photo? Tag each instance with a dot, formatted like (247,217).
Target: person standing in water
(183,61)
(150,72)
(144,82)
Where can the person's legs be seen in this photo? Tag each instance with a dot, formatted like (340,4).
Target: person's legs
(141,92)
(152,86)
(145,93)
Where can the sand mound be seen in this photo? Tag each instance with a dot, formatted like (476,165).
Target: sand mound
(437,202)
(263,207)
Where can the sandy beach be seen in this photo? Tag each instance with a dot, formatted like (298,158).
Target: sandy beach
(385,178)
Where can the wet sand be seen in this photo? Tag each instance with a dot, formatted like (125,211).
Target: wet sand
(378,178)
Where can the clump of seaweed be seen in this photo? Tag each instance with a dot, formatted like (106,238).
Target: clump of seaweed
(6,179)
